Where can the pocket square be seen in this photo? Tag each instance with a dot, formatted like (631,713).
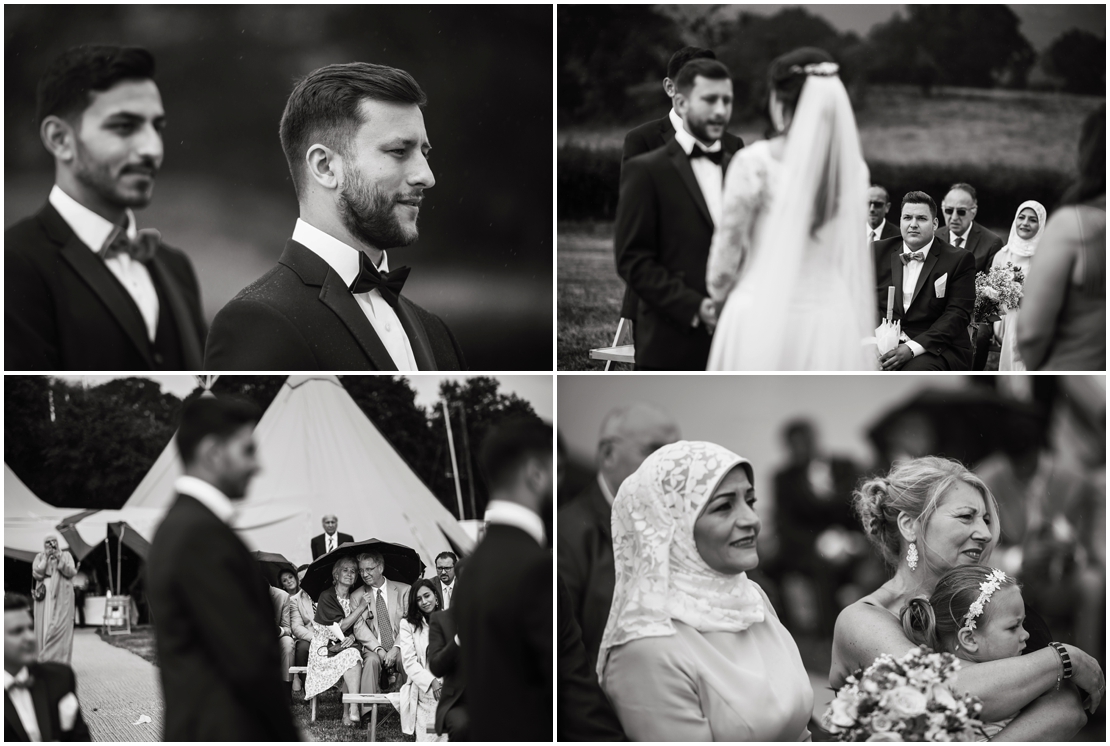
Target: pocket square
(941,284)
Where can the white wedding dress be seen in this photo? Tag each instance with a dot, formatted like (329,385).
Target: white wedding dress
(790,259)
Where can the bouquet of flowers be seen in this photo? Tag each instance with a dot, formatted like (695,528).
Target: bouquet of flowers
(997,292)
(908,699)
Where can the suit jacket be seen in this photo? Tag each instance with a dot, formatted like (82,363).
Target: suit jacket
(806,515)
(890,230)
(503,610)
(65,310)
(301,316)
(584,713)
(585,554)
(298,616)
(662,237)
(982,243)
(643,139)
(397,600)
(443,661)
(937,324)
(319,543)
(439,587)
(280,599)
(52,682)
(219,658)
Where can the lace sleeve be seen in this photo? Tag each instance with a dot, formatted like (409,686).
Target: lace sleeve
(743,198)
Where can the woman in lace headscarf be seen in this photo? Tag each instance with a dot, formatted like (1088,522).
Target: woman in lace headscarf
(693,650)
(1025,234)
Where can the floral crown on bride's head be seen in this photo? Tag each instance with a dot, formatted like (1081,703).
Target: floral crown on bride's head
(821,69)
(994,581)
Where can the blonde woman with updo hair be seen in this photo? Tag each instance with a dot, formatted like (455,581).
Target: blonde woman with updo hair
(925,517)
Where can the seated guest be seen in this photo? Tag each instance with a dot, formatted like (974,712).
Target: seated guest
(299,612)
(445,577)
(334,653)
(280,600)
(878,205)
(330,539)
(1025,234)
(379,628)
(40,699)
(423,689)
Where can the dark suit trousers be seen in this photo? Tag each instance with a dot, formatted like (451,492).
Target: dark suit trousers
(926,361)
(456,724)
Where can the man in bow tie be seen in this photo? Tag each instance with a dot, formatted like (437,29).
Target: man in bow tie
(84,288)
(358,153)
(40,699)
(934,291)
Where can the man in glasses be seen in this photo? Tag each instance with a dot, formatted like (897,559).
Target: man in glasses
(960,229)
(878,205)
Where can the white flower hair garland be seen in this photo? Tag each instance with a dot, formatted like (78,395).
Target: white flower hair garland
(987,588)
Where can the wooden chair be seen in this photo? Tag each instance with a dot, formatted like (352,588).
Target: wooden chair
(617,353)
(369,699)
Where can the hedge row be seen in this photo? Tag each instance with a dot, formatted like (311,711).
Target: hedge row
(589,179)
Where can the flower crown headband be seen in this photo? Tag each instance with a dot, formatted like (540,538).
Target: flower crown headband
(994,581)
(823,69)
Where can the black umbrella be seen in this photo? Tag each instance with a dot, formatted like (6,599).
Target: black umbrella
(402,564)
(272,567)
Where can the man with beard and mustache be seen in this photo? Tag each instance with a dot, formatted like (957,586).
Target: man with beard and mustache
(670,202)
(84,289)
(358,152)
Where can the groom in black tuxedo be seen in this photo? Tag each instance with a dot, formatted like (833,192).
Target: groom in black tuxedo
(934,291)
(670,201)
(354,138)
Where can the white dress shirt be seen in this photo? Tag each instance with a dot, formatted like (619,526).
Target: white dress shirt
(346,261)
(331,541)
(447,589)
(23,703)
(508,513)
(709,175)
(910,272)
(874,234)
(676,120)
(384,591)
(207,495)
(93,231)
(605,487)
(962,237)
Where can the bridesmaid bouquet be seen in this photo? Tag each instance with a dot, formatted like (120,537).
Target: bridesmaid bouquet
(997,292)
(908,699)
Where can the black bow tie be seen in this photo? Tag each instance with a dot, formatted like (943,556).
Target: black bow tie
(388,284)
(912,256)
(142,249)
(18,683)
(715,156)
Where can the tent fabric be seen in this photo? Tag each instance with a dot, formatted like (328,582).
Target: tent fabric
(320,454)
(28,520)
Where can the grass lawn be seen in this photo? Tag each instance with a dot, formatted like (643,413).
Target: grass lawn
(589,295)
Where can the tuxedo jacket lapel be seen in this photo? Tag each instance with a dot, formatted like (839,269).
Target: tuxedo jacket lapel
(418,338)
(896,280)
(191,351)
(930,262)
(726,158)
(12,721)
(41,698)
(682,162)
(335,295)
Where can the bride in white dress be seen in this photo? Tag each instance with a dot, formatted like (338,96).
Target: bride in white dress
(790,261)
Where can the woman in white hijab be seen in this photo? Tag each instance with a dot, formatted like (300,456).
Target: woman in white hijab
(693,650)
(1025,234)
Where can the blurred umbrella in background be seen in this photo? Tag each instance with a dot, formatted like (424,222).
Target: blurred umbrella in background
(273,565)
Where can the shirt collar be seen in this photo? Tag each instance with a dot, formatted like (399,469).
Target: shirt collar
(878,231)
(963,235)
(21,675)
(604,487)
(92,229)
(345,260)
(688,142)
(508,513)
(924,249)
(207,495)
(676,120)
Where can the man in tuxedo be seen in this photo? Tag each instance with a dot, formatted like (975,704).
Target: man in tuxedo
(878,205)
(380,625)
(670,201)
(218,652)
(445,576)
(330,539)
(934,292)
(503,607)
(354,138)
(84,289)
(659,132)
(443,661)
(40,699)
(629,434)
(584,713)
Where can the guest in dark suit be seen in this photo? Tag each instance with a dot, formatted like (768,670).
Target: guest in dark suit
(670,201)
(217,652)
(934,292)
(503,607)
(658,132)
(878,206)
(40,699)
(629,434)
(443,661)
(584,711)
(83,288)
(445,577)
(354,138)
(330,539)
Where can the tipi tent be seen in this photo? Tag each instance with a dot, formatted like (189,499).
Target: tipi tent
(320,454)
(28,520)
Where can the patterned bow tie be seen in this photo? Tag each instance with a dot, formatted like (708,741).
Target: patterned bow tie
(142,249)
(912,256)
(24,681)
(715,156)
(388,284)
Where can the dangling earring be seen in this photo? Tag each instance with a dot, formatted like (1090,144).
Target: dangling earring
(911,556)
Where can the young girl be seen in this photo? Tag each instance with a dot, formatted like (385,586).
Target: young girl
(976,613)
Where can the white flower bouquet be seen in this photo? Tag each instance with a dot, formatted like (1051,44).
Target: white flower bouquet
(997,292)
(908,699)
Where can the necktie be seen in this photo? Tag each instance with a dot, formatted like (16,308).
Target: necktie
(959,242)
(22,680)
(874,236)
(388,284)
(385,631)
(331,543)
(142,249)
(912,256)
(715,156)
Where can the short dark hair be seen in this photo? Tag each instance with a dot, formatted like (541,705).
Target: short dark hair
(964,188)
(65,89)
(413,614)
(325,106)
(684,55)
(208,415)
(447,555)
(16,601)
(509,444)
(711,69)
(885,192)
(796,427)
(1092,160)
(920,198)
(786,73)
